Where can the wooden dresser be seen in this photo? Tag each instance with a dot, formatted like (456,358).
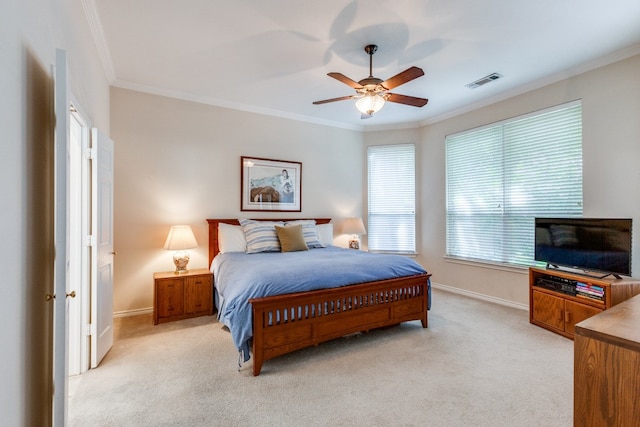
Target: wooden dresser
(607,367)
(181,296)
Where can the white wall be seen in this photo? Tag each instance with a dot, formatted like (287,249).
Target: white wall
(611,154)
(30,31)
(178,162)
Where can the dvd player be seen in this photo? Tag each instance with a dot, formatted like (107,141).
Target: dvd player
(558,284)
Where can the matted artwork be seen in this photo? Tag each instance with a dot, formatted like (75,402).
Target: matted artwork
(270,185)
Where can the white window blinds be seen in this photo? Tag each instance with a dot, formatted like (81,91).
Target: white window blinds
(500,177)
(392,198)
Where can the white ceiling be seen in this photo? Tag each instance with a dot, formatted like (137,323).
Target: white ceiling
(273,56)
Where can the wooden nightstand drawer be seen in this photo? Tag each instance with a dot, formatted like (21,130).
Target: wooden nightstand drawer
(197,294)
(170,301)
(181,296)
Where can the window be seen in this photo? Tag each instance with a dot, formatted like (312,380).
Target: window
(392,198)
(501,176)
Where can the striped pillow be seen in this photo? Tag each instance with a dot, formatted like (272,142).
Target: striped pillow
(309,231)
(260,235)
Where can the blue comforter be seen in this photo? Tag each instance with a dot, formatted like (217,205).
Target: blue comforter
(239,277)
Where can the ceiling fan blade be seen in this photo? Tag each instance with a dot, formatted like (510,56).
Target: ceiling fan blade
(408,100)
(346,80)
(402,78)
(342,98)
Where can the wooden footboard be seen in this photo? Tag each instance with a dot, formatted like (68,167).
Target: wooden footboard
(285,323)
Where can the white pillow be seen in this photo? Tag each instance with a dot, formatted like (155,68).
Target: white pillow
(309,232)
(231,238)
(325,233)
(261,235)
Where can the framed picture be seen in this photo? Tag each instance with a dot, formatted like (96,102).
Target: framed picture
(270,185)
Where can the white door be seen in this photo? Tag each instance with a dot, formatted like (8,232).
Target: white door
(60,331)
(78,244)
(102,259)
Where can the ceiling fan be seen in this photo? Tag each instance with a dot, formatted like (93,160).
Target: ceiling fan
(372,92)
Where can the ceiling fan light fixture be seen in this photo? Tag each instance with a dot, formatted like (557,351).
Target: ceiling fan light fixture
(370,103)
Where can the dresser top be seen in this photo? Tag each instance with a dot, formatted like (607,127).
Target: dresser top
(617,325)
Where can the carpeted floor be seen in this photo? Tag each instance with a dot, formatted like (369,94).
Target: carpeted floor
(478,364)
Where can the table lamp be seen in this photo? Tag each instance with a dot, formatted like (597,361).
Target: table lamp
(355,227)
(180,239)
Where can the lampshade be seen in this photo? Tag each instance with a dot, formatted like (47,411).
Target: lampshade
(353,226)
(370,103)
(180,238)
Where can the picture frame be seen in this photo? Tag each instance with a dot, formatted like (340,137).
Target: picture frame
(270,185)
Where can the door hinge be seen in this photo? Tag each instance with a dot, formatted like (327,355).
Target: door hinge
(90,153)
(90,240)
(89,329)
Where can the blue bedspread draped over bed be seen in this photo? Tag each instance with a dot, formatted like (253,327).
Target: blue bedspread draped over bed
(276,273)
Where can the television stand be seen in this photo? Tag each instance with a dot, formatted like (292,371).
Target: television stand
(560,299)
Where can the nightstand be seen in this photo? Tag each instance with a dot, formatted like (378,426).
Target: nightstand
(182,296)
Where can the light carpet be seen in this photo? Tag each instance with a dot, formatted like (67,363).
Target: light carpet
(478,364)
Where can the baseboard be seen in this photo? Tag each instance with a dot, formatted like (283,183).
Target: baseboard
(129,313)
(479,296)
(440,286)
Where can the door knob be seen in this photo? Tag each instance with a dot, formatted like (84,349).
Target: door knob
(72,294)
(49,297)
(114,253)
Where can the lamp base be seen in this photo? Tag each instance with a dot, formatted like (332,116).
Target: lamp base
(181,259)
(354,244)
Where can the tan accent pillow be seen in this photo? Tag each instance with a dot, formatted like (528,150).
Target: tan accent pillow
(291,238)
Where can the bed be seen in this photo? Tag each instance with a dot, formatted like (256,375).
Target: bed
(289,321)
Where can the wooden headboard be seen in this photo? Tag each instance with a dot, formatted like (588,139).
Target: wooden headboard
(213,230)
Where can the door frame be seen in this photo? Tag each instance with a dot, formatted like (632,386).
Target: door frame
(80,242)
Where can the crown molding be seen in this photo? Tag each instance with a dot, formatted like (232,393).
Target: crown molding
(95,25)
(230,105)
(537,84)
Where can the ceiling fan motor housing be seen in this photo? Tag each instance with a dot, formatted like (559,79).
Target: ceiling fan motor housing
(374,81)
(371,49)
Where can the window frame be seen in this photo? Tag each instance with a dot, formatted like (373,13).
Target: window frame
(499,253)
(402,246)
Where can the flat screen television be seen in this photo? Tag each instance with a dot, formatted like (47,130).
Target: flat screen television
(600,245)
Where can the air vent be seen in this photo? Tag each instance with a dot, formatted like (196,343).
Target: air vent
(484,80)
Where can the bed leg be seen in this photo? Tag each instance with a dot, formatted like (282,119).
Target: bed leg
(258,356)
(258,325)
(425,314)
(257,366)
